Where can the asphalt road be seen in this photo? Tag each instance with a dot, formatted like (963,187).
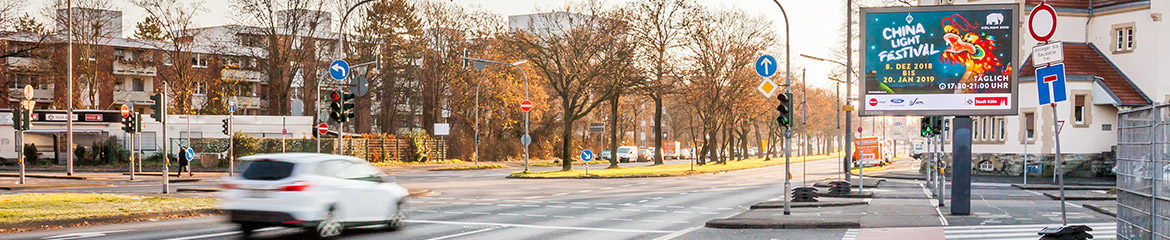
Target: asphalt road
(485,205)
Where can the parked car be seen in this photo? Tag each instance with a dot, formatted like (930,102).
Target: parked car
(645,154)
(322,193)
(605,155)
(627,153)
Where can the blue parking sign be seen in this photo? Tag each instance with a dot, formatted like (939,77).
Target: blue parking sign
(1050,87)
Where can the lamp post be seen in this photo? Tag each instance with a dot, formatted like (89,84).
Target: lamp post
(69,82)
(787,88)
(848,117)
(340,55)
(514,65)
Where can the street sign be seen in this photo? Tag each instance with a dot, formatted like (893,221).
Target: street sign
(526,139)
(1047,54)
(953,60)
(767,87)
(1042,22)
(442,129)
(28,92)
(231,105)
(339,69)
(322,128)
(867,148)
(1050,85)
(125,111)
(586,155)
(766,66)
(359,86)
(597,127)
(284,131)
(189,154)
(525,105)
(858,129)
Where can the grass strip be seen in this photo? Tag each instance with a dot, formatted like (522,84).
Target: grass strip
(666,170)
(29,207)
(470,167)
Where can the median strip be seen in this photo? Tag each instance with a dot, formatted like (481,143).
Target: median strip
(667,170)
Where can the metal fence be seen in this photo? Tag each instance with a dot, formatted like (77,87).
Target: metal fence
(1143,173)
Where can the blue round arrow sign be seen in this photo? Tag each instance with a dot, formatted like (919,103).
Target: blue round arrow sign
(339,69)
(766,66)
(190,154)
(586,155)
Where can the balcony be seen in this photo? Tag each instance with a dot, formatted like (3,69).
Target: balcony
(243,75)
(39,95)
(25,63)
(135,97)
(124,68)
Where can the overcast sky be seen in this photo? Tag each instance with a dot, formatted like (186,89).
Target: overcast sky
(815,23)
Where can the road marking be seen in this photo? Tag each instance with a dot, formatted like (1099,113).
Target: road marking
(453,212)
(630,210)
(81,235)
(675,207)
(506,205)
(579,207)
(535,215)
(604,208)
(466,233)
(555,206)
(426,211)
(604,203)
(507,214)
(622,219)
(651,205)
(591,218)
(606,188)
(708,213)
(653,210)
(221,234)
(683,212)
(850,234)
(529,205)
(479,213)
(579,203)
(557,202)
(934,203)
(533,197)
(559,216)
(699,207)
(679,233)
(483,204)
(643,201)
(585,191)
(540,226)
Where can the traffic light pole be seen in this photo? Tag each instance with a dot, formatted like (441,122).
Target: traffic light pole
(232,144)
(787,89)
(20,152)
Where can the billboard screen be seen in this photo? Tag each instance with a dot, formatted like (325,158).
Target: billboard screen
(939,61)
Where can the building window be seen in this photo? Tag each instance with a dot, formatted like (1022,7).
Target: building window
(1123,38)
(198,60)
(986,128)
(1106,127)
(167,60)
(986,166)
(1030,126)
(1002,129)
(1079,109)
(139,84)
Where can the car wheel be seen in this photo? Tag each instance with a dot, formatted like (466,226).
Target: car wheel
(329,227)
(247,231)
(395,221)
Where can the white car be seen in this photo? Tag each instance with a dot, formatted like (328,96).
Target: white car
(319,192)
(627,154)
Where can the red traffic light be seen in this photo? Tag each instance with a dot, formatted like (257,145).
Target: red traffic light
(335,96)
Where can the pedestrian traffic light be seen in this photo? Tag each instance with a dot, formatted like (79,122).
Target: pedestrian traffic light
(785,109)
(159,107)
(227,129)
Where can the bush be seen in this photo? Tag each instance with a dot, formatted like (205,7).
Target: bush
(418,145)
(79,153)
(157,157)
(30,153)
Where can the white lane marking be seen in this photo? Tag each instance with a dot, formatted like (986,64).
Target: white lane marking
(604,203)
(478,213)
(220,234)
(579,203)
(679,233)
(934,203)
(683,212)
(506,205)
(559,216)
(540,226)
(466,233)
(556,202)
(535,215)
(675,207)
(555,206)
(630,210)
(604,208)
(81,235)
(426,211)
(850,234)
(651,205)
(585,191)
(622,219)
(578,207)
(658,211)
(529,205)
(507,214)
(453,212)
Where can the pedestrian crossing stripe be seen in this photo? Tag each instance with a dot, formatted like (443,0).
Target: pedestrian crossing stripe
(1104,230)
(850,234)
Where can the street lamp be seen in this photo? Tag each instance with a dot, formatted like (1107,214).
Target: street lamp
(340,54)
(514,65)
(848,117)
(787,88)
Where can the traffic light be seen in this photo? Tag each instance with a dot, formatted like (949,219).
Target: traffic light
(785,109)
(924,126)
(18,118)
(341,106)
(937,126)
(137,122)
(128,123)
(159,107)
(227,129)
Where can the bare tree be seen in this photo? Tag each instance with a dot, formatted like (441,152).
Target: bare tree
(92,30)
(291,31)
(176,25)
(658,27)
(579,57)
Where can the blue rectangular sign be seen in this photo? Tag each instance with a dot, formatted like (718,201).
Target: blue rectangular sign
(1050,84)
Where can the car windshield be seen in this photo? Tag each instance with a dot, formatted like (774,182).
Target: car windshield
(268,170)
(623,150)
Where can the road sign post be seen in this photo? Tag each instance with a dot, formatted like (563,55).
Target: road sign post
(586,155)
(339,70)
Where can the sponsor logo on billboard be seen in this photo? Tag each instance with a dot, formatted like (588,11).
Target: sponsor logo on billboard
(873,102)
(917,101)
(990,101)
(897,101)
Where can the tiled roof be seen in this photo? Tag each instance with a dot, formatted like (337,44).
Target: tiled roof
(1084,59)
(1081,4)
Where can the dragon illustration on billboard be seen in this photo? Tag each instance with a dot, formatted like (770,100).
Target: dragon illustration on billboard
(971,48)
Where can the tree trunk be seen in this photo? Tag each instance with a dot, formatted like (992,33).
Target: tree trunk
(613,130)
(566,138)
(658,130)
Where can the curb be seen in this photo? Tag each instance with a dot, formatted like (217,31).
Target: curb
(13,227)
(850,195)
(1081,197)
(778,204)
(1057,187)
(768,223)
(49,176)
(19,187)
(1099,209)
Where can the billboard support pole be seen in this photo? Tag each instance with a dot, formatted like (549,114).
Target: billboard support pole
(961,170)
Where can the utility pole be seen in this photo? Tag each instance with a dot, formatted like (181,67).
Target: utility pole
(787,131)
(69,83)
(848,87)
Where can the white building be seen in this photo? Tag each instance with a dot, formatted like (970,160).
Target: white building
(1111,51)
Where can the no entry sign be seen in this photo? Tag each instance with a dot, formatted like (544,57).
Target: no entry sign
(125,110)
(526,105)
(322,128)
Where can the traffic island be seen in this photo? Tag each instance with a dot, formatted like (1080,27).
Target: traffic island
(817,204)
(782,223)
(40,210)
(869,182)
(52,185)
(1107,209)
(53,176)
(1066,187)
(1081,196)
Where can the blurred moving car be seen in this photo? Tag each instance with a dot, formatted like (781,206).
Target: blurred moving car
(627,153)
(322,193)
